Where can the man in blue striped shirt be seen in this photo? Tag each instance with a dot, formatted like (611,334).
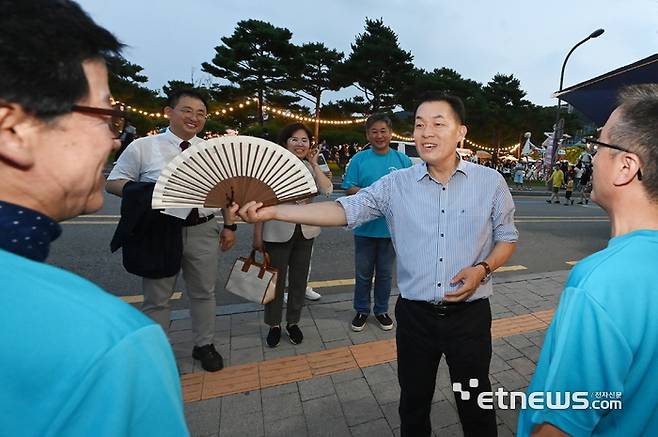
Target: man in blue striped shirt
(452,223)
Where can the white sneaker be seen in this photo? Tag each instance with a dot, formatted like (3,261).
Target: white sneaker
(312,294)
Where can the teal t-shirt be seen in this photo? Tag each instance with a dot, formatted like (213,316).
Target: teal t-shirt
(604,341)
(364,169)
(76,361)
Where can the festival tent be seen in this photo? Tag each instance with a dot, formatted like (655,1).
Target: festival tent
(597,98)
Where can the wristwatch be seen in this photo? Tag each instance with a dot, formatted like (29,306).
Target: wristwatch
(232,227)
(487,271)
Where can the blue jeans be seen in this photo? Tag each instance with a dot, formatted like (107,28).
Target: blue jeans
(373,256)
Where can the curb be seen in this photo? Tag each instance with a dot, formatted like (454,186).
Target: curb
(241,308)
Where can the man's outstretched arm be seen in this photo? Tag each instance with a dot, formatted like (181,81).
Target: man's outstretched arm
(317,214)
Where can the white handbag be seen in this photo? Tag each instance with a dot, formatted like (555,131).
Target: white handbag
(251,280)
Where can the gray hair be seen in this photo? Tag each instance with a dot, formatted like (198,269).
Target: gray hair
(374,118)
(637,130)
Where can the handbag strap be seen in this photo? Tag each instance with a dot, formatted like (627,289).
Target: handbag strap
(251,259)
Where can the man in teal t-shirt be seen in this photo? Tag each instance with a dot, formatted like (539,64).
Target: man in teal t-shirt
(374,253)
(603,340)
(74,360)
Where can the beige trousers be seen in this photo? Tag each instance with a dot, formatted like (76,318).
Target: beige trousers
(200,269)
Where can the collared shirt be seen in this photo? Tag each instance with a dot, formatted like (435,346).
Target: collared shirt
(26,232)
(146,157)
(437,229)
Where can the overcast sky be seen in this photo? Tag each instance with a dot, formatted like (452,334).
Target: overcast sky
(477,38)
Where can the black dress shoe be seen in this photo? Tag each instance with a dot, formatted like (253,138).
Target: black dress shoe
(211,360)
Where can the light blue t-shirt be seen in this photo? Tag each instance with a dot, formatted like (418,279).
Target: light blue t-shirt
(366,167)
(604,340)
(76,361)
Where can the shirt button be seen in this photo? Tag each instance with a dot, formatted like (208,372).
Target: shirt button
(441,259)
(443,211)
(438,285)
(442,235)
(443,188)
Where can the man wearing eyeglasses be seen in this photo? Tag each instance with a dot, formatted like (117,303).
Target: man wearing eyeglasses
(203,237)
(604,337)
(74,360)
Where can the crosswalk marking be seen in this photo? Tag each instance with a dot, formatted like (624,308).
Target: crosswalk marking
(333,283)
(510,268)
(140,298)
(561,219)
(315,284)
(89,222)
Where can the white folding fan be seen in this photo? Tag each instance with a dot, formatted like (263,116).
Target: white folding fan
(239,169)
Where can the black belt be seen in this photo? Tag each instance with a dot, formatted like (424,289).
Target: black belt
(193,221)
(444,308)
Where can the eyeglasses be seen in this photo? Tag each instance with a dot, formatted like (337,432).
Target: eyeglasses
(295,140)
(116,118)
(190,113)
(597,144)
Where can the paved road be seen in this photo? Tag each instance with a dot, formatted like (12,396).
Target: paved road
(551,236)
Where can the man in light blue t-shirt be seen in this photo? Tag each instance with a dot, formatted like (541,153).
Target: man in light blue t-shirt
(603,341)
(374,253)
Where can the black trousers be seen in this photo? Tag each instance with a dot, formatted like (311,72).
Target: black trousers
(423,336)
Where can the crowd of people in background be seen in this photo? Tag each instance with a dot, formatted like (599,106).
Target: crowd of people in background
(519,174)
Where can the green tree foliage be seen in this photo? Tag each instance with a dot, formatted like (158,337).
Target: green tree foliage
(126,81)
(257,58)
(177,85)
(440,79)
(317,74)
(378,66)
(506,107)
(345,108)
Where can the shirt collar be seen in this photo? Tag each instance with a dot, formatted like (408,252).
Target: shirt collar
(26,232)
(463,167)
(174,138)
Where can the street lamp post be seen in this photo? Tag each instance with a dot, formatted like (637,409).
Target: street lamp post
(558,129)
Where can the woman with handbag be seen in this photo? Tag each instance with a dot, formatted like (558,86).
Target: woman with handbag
(289,245)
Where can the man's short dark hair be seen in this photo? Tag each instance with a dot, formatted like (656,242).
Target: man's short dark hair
(42,46)
(290,129)
(455,103)
(374,118)
(175,96)
(637,130)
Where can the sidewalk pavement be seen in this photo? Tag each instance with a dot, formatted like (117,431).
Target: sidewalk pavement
(342,383)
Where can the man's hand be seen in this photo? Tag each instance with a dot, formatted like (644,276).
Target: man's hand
(255,212)
(231,213)
(470,277)
(226,239)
